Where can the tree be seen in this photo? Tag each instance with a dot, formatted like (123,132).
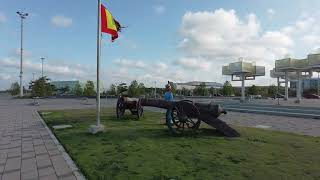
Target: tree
(41,87)
(201,90)
(14,89)
(112,90)
(227,89)
(254,90)
(141,89)
(78,91)
(133,89)
(89,89)
(121,88)
(272,90)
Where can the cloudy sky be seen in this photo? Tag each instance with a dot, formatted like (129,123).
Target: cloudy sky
(180,40)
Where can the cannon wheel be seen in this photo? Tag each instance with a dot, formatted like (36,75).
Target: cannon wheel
(120,108)
(139,109)
(184,119)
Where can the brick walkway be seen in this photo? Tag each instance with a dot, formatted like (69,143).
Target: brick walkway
(27,149)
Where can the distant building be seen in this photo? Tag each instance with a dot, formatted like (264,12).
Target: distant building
(193,84)
(307,84)
(64,84)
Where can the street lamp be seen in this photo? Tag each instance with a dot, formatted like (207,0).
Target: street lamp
(22,17)
(42,59)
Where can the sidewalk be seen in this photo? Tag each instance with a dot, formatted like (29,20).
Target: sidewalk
(27,149)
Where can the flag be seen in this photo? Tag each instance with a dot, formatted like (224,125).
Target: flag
(109,24)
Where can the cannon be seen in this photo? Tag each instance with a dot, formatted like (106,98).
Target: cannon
(132,104)
(186,115)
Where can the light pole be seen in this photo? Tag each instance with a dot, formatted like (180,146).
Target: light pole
(22,17)
(42,59)
(155,89)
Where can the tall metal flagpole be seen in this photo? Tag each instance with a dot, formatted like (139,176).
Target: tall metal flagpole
(98,127)
(98,62)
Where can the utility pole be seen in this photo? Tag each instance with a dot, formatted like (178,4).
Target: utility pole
(42,59)
(318,84)
(155,89)
(22,17)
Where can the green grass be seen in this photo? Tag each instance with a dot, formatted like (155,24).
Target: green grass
(143,149)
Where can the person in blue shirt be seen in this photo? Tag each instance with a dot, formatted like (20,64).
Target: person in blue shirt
(168,96)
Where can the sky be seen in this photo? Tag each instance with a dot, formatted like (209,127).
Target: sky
(180,40)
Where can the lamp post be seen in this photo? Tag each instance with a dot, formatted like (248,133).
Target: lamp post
(22,17)
(155,89)
(42,59)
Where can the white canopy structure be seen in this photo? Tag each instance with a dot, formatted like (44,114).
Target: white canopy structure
(241,71)
(295,69)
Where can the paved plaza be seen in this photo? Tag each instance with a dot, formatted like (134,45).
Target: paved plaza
(28,150)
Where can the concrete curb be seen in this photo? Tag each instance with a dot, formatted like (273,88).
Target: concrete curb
(275,113)
(76,171)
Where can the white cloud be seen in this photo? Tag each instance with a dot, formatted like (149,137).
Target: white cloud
(159,9)
(61,21)
(55,69)
(4,76)
(130,64)
(192,63)
(3,18)
(271,12)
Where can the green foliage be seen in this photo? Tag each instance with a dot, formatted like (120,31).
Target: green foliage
(133,89)
(41,87)
(14,89)
(89,89)
(144,150)
(112,90)
(227,89)
(122,88)
(78,91)
(253,90)
(136,89)
(272,90)
(201,90)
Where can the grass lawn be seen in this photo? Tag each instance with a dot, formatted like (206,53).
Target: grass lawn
(143,149)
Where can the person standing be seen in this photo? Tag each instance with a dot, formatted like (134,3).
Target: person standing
(168,96)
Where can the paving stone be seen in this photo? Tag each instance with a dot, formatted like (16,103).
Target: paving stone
(40,149)
(3,161)
(29,175)
(60,165)
(15,175)
(28,165)
(1,169)
(46,171)
(54,152)
(50,177)
(14,152)
(71,177)
(28,155)
(37,142)
(43,161)
(12,164)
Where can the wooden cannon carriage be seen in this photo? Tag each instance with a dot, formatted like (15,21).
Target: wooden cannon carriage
(186,115)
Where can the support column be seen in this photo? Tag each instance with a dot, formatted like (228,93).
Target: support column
(299,87)
(242,89)
(286,93)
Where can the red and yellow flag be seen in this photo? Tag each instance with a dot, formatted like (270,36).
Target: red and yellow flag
(109,24)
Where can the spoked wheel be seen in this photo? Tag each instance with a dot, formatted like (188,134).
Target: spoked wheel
(139,109)
(184,119)
(120,108)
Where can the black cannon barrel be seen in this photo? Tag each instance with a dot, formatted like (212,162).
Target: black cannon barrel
(159,103)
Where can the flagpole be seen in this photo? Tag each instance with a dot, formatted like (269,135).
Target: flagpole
(98,61)
(98,127)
